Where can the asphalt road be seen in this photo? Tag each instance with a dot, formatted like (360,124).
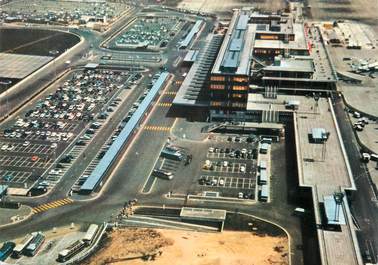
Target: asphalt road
(129,176)
(363,201)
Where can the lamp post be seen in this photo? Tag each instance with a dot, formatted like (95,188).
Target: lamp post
(54,53)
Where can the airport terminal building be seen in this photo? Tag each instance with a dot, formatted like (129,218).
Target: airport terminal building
(260,53)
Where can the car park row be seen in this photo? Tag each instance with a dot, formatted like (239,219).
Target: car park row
(43,132)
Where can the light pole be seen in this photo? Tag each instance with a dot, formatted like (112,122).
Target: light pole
(54,53)
(6,84)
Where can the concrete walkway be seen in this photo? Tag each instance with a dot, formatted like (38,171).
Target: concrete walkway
(12,216)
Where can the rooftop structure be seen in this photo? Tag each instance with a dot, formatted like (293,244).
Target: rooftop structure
(203,214)
(98,174)
(234,54)
(193,86)
(19,66)
(333,210)
(193,32)
(325,168)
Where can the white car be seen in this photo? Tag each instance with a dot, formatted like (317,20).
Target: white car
(240,195)
(211,150)
(242,169)
(244,151)
(225,163)
(221,182)
(26,143)
(55,171)
(4,147)
(214,182)
(54,145)
(10,147)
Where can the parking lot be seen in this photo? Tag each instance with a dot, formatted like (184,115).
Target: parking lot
(74,111)
(230,166)
(66,12)
(149,32)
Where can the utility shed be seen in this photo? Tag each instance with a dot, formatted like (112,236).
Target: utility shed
(334,212)
(264,148)
(203,214)
(3,190)
(262,164)
(318,135)
(264,193)
(263,177)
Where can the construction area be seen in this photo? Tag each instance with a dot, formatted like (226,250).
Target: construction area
(225,6)
(134,246)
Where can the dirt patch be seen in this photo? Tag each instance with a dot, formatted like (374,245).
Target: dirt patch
(126,246)
(224,7)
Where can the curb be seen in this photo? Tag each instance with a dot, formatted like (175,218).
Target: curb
(26,217)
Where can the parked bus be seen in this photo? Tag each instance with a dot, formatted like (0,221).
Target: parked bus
(6,250)
(175,155)
(35,244)
(91,233)
(71,251)
(19,249)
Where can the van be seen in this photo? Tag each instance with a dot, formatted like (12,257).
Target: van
(162,174)
(356,115)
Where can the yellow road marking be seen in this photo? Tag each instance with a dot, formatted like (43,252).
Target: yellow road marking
(55,204)
(157,128)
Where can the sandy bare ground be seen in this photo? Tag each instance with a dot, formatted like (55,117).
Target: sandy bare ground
(191,248)
(365,11)
(223,6)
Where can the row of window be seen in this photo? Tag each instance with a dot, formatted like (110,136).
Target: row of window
(238,79)
(223,87)
(229,104)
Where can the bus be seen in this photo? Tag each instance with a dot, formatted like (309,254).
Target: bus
(91,233)
(35,244)
(170,154)
(71,251)
(19,249)
(6,250)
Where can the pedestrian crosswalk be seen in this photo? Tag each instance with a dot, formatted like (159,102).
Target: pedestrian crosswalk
(157,128)
(164,104)
(51,205)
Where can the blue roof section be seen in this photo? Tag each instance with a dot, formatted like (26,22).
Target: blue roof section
(333,217)
(98,173)
(193,31)
(243,22)
(236,45)
(231,59)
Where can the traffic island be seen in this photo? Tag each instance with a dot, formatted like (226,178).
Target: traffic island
(12,216)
